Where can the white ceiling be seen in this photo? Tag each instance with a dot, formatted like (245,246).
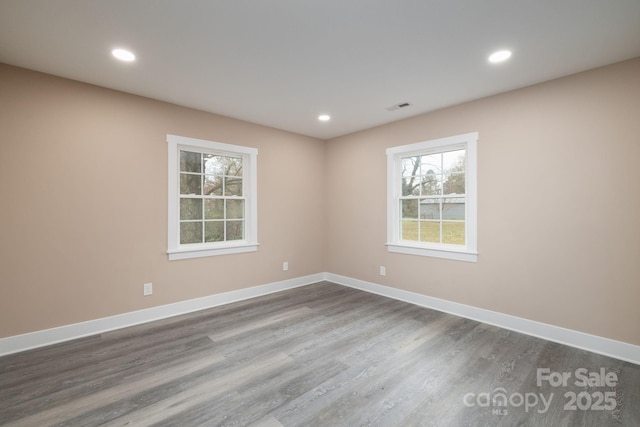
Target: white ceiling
(280,63)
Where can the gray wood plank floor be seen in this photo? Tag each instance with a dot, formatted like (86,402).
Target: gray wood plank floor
(320,355)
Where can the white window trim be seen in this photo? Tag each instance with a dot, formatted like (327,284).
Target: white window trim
(468,252)
(250,243)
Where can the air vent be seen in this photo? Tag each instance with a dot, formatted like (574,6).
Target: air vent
(398,106)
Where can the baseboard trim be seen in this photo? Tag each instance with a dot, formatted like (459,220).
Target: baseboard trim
(28,341)
(605,346)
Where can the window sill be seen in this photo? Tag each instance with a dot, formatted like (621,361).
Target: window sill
(200,252)
(446,253)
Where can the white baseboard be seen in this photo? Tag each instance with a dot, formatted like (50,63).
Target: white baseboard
(605,346)
(18,343)
(617,349)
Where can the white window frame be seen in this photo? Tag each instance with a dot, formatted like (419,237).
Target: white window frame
(467,252)
(249,156)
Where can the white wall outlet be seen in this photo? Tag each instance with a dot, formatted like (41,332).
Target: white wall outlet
(148,289)
(285,266)
(383,270)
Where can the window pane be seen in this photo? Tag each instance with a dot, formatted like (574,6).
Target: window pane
(409,209)
(430,209)
(214,231)
(453,233)
(431,164)
(430,231)
(454,184)
(190,162)
(411,176)
(190,184)
(235,230)
(235,209)
(214,209)
(212,185)
(233,166)
(190,232)
(453,161)
(410,166)
(232,186)
(409,230)
(431,185)
(190,209)
(453,208)
(411,186)
(213,165)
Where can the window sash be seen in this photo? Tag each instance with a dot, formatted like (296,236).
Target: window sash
(244,225)
(447,247)
(200,229)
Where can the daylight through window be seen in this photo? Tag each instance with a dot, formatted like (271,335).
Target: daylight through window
(211,198)
(432,205)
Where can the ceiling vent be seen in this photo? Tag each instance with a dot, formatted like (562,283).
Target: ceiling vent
(398,106)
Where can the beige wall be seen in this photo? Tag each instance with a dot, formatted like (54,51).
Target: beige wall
(558,208)
(83,187)
(84,204)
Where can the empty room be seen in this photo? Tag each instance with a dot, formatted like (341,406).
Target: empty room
(299,213)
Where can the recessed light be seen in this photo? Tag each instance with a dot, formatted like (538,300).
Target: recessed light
(499,56)
(123,55)
(324,117)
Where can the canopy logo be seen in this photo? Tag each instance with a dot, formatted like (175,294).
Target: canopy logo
(500,401)
(594,399)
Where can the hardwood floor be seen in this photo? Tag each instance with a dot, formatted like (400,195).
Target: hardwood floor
(320,355)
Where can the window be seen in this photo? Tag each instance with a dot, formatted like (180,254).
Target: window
(431,198)
(212,198)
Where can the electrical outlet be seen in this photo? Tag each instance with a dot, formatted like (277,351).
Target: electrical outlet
(147,289)
(285,266)
(383,270)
